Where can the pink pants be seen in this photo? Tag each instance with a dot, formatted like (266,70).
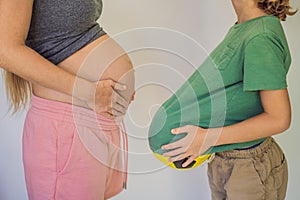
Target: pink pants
(70,153)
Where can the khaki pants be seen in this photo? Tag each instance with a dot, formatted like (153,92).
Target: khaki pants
(259,173)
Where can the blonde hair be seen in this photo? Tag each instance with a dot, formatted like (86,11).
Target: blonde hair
(18,91)
(278,8)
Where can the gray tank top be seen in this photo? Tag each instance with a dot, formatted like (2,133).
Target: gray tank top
(59,28)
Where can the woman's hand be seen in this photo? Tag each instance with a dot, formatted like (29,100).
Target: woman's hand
(107,101)
(191,146)
(103,97)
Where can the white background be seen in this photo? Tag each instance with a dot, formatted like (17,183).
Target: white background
(204,21)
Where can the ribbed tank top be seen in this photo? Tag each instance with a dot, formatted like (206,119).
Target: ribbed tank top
(59,28)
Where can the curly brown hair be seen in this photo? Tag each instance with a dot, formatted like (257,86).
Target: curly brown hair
(278,8)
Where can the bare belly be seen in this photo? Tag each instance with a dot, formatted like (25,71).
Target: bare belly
(100,60)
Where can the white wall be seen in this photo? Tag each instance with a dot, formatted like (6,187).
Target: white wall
(206,22)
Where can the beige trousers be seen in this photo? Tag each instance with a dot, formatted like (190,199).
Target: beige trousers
(259,173)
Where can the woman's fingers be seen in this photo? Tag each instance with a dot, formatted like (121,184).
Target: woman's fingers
(119,99)
(117,108)
(119,86)
(108,100)
(173,145)
(180,130)
(182,142)
(111,83)
(189,161)
(177,158)
(175,152)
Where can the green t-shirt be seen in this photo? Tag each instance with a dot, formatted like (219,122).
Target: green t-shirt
(224,90)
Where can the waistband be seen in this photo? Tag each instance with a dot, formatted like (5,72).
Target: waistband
(251,147)
(69,113)
(248,153)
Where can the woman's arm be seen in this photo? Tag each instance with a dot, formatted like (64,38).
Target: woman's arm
(16,57)
(275,119)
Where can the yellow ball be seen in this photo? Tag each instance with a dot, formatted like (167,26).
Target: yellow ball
(177,165)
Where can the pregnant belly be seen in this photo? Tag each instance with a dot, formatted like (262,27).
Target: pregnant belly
(100,60)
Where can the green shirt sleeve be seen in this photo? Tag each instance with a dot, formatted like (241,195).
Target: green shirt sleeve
(264,64)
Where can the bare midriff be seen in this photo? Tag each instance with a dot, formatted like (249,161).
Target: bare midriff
(100,60)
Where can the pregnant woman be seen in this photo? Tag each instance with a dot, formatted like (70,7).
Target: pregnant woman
(46,52)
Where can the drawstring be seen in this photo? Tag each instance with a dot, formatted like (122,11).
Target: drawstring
(124,147)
